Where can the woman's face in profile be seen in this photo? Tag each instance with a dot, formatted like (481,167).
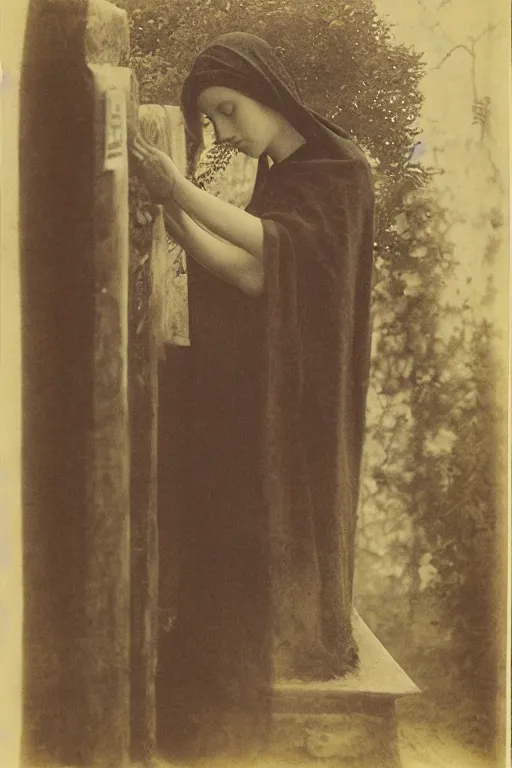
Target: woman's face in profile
(238,120)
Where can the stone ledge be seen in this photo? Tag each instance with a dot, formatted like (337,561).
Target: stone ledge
(345,722)
(379,681)
(349,736)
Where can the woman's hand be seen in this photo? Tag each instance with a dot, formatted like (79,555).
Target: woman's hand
(158,170)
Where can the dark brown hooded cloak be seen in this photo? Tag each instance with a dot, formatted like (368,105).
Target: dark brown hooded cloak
(261,449)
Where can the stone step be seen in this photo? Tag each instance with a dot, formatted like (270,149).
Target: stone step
(379,677)
(345,722)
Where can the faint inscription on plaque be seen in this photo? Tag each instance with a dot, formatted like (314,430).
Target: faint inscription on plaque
(115,129)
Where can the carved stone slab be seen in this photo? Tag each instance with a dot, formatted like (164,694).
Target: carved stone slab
(74,265)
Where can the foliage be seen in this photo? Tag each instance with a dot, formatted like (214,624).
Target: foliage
(370,84)
(432,446)
(459,517)
(432,452)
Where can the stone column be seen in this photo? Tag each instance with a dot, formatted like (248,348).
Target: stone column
(74,259)
(143,402)
(163,127)
(158,316)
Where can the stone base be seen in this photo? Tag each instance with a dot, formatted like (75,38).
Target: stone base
(356,739)
(347,722)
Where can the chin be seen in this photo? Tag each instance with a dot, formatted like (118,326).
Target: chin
(250,152)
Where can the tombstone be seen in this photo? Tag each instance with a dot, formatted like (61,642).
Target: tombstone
(89,527)
(158,317)
(163,126)
(143,405)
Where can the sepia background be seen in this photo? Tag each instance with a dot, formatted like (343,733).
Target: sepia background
(424,87)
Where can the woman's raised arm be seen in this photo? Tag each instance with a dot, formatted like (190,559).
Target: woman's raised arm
(227,261)
(231,224)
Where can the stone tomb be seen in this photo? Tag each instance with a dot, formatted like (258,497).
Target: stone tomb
(89,372)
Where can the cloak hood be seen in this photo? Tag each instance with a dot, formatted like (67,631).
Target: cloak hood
(247,64)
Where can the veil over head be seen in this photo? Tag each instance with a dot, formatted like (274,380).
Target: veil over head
(247,64)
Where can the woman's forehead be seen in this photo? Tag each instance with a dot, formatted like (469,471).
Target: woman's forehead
(211,97)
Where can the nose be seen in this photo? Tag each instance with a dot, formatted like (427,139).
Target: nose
(224,132)
(225,137)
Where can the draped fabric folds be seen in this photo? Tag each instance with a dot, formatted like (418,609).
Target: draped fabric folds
(262,432)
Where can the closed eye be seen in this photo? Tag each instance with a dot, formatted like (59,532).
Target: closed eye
(227,108)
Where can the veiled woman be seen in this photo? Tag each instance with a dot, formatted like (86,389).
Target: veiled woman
(264,443)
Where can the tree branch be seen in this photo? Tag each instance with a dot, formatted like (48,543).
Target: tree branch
(450,53)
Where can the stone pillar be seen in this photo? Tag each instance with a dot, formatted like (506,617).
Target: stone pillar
(74,260)
(163,127)
(158,316)
(143,402)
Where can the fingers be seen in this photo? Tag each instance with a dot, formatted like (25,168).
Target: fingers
(146,158)
(140,148)
(137,154)
(145,144)
(137,150)
(145,147)
(150,150)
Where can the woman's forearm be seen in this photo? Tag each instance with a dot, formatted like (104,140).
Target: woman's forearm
(166,183)
(224,239)
(230,223)
(228,262)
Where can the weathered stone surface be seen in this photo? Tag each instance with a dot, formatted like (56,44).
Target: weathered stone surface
(107,35)
(378,676)
(337,739)
(108,531)
(163,127)
(143,398)
(74,253)
(342,721)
